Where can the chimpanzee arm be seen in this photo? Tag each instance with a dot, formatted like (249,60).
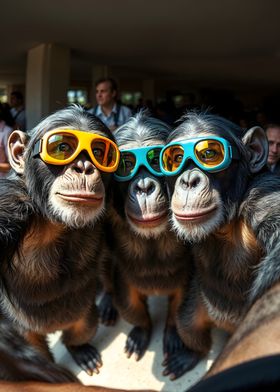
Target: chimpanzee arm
(15,212)
(264,211)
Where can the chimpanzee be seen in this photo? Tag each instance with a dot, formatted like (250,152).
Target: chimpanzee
(148,258)
(51,230)
(19,361)
(225,202)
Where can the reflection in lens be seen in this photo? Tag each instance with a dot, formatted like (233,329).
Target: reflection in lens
(98,149)
(61,146)
(153,158)
(111,156)
(104,152)
(172,158)
(126,165)
(210,152)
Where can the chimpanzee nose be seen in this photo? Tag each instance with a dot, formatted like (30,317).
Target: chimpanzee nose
(144,186)
(192,179)
(83,164)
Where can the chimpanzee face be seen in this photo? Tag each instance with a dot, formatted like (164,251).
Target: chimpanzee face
(197,203)
(67,167)
(142,186)
(207,170)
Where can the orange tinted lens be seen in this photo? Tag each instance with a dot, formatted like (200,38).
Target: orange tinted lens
(104,152)
(210,152)
(172,158)
(61,146)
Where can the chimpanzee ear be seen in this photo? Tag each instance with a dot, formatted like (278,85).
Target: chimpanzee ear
(257,146)
(16,146)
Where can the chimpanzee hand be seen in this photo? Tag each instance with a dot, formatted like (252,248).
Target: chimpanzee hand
(137,342)
(172,343)
(180,362)
(87,357)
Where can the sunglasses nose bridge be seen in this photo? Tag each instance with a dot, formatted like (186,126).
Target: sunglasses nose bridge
(145,165)
(189,157)
(84,155)
(84,152)
(85,147)
(140,163)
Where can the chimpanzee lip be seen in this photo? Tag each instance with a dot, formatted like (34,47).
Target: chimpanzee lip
(82,198)
(152,219)
(195,215)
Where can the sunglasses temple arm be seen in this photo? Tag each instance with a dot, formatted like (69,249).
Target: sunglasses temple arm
(37,148)
(233,153)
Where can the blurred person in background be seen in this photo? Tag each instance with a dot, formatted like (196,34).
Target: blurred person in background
(6,128)
(273,136)
(18,110)
(108,110)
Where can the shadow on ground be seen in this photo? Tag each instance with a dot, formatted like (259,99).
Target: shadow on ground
(120,372)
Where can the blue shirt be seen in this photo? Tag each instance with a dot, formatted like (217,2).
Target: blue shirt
(114,119)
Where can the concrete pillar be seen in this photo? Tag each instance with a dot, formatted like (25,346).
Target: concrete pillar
(148,88)
(47,81)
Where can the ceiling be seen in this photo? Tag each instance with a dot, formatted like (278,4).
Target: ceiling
(203,40)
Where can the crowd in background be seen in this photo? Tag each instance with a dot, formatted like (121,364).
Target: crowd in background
(222,103)
(12,116)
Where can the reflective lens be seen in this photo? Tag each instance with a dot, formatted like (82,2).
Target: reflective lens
(153,158)
(62,146)
(104,152)
(209,152)
(127,164)
(172,158)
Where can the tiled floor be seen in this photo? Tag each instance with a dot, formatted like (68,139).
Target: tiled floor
(121,372)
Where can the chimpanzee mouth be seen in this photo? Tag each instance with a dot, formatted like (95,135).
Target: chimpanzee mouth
(82,198)
(195,216)
(152,220)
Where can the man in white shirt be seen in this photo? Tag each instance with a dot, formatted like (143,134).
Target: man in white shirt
(273,136)
(108,110)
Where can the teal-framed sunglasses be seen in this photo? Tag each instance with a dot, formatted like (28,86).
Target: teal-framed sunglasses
(211,154)
(132,159)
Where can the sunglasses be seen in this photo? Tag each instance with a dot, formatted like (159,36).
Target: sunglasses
(211,154)
(62,146)
(131,160)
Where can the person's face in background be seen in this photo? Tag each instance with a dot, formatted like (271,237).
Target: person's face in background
(105,96)
(273,136)
(15,101)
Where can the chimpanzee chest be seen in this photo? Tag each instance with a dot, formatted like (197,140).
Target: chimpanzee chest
(155,274)
(225,272)
(54,281)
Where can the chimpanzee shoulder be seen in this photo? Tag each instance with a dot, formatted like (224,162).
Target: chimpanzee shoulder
(261,205)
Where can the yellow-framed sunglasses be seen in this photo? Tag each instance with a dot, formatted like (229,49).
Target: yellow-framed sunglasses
(62,146)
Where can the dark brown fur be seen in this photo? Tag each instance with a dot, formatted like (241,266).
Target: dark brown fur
(148,266)
(148,258)
(52,245)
